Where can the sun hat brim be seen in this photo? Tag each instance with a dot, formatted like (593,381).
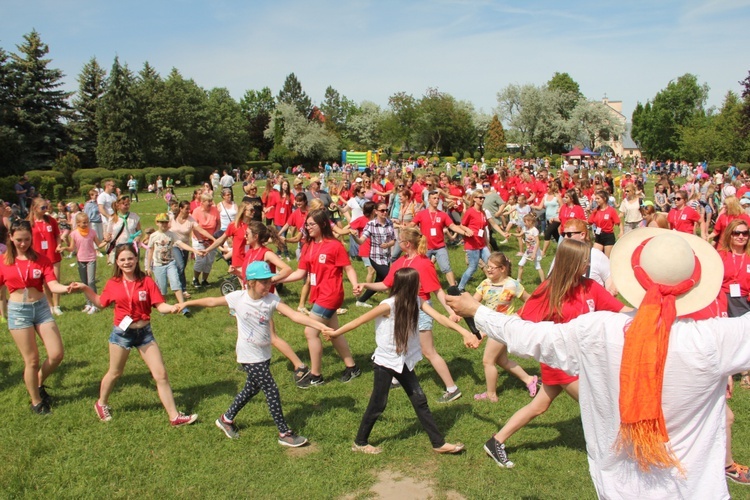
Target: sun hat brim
(700,296)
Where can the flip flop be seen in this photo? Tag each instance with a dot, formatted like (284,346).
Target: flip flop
(480,397)
(452,450)
(342,310)
(367,449)
(532,386)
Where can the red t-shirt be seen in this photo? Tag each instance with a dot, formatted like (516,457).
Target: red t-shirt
(590,296)
(457,191)
(359,224)
(297,219)
(736,270)
(683,220)
(431,225)
(324,263)
(428,278)
(723,221)
(131,298)
(44,234)
(502,189)
(256,255)
(26,273)
(237,233)
(527,189)
(572,212)
(605,219)
(282,209)
(417,189)
(477,222)
(540,189)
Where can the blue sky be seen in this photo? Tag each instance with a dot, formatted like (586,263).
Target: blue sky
(369,50)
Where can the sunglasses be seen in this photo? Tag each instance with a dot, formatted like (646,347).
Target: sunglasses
(382,210)
(485,185)
(479,197)
(43,207)
(744,234)
(568,234)
(677,198)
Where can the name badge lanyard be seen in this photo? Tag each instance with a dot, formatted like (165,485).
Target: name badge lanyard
(25,280)
(738,269)
(129,293)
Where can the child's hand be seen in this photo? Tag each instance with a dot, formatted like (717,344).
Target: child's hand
(177,308)
(75,287)
(357,290)
(470,340)
(455,318)
(330,334)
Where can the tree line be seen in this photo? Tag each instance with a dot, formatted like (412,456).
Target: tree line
(125,119)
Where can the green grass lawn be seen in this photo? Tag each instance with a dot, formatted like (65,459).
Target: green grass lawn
(71,454)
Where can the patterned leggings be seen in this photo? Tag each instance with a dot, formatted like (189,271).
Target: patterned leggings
(259,378)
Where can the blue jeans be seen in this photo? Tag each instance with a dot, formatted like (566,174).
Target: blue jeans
(474,256)
(167,272)
(180,260)
(353,247)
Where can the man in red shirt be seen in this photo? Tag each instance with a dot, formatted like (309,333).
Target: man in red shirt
(682,217)
(432,222)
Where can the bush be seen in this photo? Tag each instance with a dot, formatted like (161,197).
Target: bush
(190,180)
(92,176)
(58,192)
(258,164)
(46,186)
(450,159)
(469,160)
(8,190)
(35,177)
(84,190)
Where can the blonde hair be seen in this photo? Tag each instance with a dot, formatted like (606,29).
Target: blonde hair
(414,237)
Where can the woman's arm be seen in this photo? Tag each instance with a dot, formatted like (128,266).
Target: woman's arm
(296,275)
(375,287)
(380,310)
(217,242)
(301,319)
(56,287)
(282,268)
(185,246)
(440,294)
(351,274)
(198,229)
(165,308)
(470,340)
(87,291)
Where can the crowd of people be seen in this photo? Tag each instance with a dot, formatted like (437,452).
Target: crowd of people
(400,220)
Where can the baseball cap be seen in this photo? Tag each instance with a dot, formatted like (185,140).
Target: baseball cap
(358,179)
(258,270)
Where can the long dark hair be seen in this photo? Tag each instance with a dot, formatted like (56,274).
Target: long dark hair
(405,291)
(320,217)
(128,247)
(264,233)
(12,253)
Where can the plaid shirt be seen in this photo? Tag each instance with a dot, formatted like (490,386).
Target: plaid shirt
(379,234)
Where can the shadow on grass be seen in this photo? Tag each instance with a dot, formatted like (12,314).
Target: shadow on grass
(298,416)
(570,435)
(459,366)
(445,417)
(9,378)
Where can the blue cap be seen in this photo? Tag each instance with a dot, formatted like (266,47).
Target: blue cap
(258,270)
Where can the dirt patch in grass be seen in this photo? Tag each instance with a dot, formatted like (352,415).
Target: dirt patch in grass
(303,450)
(392,485)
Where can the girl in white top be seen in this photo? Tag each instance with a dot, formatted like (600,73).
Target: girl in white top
(227,209)
(397,352)
(254,310)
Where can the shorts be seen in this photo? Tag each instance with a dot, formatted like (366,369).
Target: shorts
(28,314)
(366,261)
(166,272)
(425,320)
(322,311)
(605,239)
(132,337)
(443,261)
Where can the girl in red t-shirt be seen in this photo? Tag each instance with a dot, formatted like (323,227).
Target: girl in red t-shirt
(45,234)
(324,260)
(134,294)
(25,272)
(565,295)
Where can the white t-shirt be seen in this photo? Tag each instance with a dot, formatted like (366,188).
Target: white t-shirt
(253,325)
(226,215)
(385,351)
(355,207)
(591,345)
(106,200)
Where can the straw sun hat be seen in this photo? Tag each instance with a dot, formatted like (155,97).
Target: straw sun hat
(668,258)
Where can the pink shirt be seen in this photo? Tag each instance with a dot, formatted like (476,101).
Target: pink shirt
(84,246)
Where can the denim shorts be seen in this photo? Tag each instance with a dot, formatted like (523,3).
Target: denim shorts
(28,314)
(132,337)
(366,261)
(322,311)
(425,320)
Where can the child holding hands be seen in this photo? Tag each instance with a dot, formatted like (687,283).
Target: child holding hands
(397,352)
(254,309)
(85,242)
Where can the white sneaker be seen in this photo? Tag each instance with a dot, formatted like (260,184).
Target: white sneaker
(93,310)
(363,304)
(57,311)
(86,309)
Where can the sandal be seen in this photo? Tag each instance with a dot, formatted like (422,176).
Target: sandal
(367,449)
(533,386)
(449,449)
(480,397)
(745,382)
(342,310)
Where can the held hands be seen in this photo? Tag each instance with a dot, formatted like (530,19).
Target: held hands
(470,340)
(330,334)
(357,290)
(463,305)
(76,287)
(177,308)
(454,317)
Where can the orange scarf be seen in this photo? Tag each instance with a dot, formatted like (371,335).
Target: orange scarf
(83,232)
(643,432)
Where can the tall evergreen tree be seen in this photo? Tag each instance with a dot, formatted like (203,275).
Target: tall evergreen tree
(92,82)
(257,106)
(116,115)
(494,142)
(40,105)
(293,94)
(10,139)
(148,87)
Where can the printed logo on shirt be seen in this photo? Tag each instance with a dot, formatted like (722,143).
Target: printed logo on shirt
(36,273)
(142,295)
(590,303)
(322,258)
(683,217)
(49,229)
(437,220)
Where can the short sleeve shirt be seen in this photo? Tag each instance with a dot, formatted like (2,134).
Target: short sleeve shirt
(324,262)
(500,297)
(477,222)
(431,224)
(131,298)
(428,278)
(253,325)
(44,234)
(26,273)
(161,244)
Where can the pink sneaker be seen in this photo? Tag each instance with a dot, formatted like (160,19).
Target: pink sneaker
(103,412)
(182,419)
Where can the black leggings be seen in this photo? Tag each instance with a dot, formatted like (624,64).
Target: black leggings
(381,272)
(379,399)
(259,378)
